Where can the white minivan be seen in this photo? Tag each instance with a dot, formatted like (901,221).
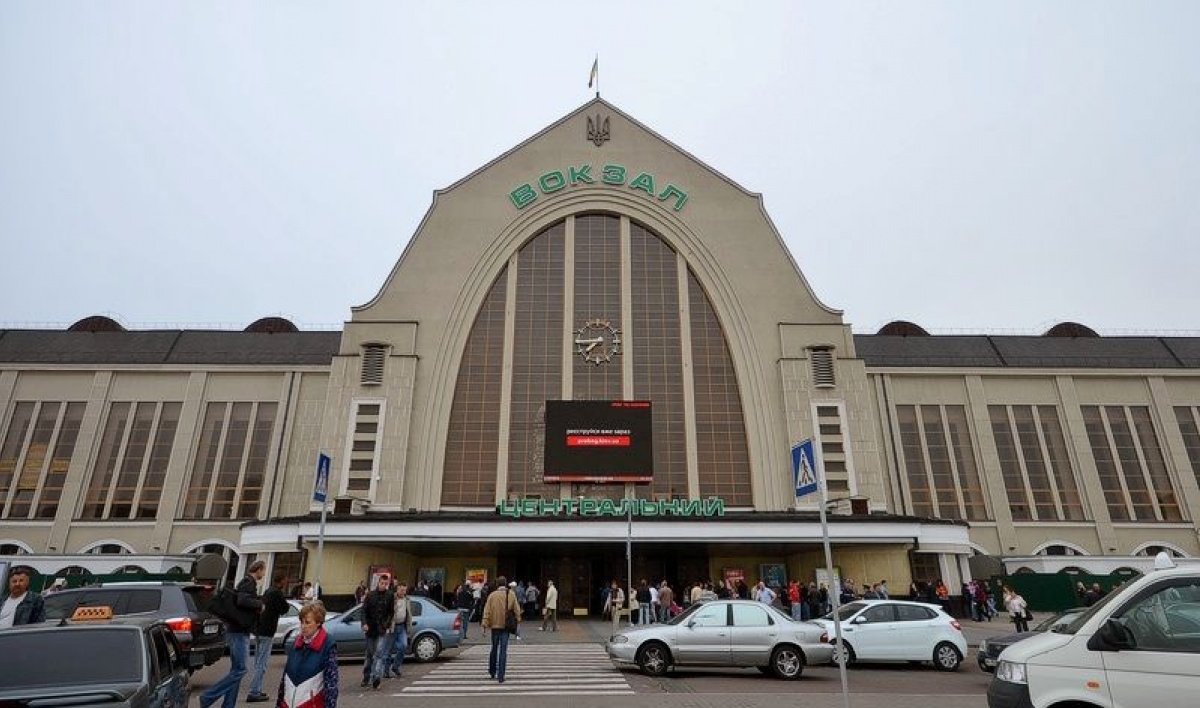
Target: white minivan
(1138,646)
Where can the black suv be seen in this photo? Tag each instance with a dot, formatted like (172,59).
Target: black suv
(201,635)
(120,661)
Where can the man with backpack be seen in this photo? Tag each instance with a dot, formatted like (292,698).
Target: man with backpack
(501,615)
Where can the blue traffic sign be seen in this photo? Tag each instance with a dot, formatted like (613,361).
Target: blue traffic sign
(321,490)
(804,468)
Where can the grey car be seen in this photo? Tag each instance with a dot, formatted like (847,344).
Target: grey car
(133,663)
(434,629)
(729,633)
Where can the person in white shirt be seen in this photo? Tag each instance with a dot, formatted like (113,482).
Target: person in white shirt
(764,594)
(653,604)
(21,606)
(550,608)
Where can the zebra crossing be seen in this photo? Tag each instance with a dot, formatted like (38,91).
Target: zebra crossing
(533,670)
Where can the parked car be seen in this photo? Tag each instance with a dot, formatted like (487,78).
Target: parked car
(200,634)
(289,621)
(990,648)
(1138,646)
(733,633)
(897,630)
(124,661)
(434,630)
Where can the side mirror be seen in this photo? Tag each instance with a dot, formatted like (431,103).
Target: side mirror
(691,624)
(859,620)
(1112,636)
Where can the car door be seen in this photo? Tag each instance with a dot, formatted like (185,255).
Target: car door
(704,637)
(915,632)
(872,632)
(1163,668)
(168,681)
(348,634)
(752,636)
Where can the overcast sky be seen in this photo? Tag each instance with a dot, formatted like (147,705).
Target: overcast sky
(981,167)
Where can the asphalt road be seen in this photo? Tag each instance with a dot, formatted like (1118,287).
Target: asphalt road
(569,668)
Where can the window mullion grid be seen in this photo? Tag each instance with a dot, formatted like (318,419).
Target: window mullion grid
(1019,449)
(1151,490)
(1051,470)
(120,461)
(1118,464)
(952,456)
(218,463)
(149,454)
(49,460)
(932,486)
(6,502)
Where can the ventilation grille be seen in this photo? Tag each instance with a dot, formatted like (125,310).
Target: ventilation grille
(373,357)
(822,367)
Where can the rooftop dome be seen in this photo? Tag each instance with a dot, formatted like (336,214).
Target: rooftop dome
(272,325)
(96,323)
(1070,329)
(902,328)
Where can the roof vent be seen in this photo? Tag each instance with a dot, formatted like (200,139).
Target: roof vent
(902,328)
(1070,329)
(272,325)
(96,323)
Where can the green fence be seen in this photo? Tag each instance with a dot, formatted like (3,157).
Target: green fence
(1053,592)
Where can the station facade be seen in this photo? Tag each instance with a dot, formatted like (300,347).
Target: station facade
(596,261)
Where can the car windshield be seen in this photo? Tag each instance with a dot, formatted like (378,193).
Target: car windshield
(63,657)
(846,611)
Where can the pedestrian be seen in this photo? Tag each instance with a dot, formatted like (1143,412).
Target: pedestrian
(550,607)
(764,594)
(1017,609)
(21,606)
(376,624)
(402,619)
(613,604)
(464,602)
(666,598)
(883,590)
(274,605)
(237,636)
(310,676)
(644,598)
(360,592)
(496,611)
(309,594)
(531,599)
(654,603)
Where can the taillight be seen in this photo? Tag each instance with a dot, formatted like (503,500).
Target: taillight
(180,624)
(956,625)
(457,622)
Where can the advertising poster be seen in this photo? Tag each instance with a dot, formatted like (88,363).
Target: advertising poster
(375,571)
(832,583)
(476,577)
(733,575)
(773,575)
(598,442)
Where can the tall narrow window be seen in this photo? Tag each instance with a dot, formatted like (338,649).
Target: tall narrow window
(373,358)
(1038,476)
(364,448)
(34,457)
(939,461)
(1188,419)
(230,461)
(1129,460)
(834,456)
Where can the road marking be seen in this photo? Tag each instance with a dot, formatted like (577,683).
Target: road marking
(533,670)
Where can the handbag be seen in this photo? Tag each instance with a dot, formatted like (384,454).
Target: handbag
(224,605)
(510,617)
(1028,615)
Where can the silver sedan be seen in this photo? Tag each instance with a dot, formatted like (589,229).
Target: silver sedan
(734,633)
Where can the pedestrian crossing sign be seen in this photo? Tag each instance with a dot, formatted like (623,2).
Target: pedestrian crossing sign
(804,468)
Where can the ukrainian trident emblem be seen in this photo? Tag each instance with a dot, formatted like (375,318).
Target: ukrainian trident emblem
(597,129)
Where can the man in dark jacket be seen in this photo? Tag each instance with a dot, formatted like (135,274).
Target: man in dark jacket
(274,605)
(238,638)
(21,606)
(378,611)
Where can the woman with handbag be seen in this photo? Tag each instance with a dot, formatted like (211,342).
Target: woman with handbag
(1015,604)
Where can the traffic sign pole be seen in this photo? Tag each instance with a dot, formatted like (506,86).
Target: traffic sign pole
(321,494)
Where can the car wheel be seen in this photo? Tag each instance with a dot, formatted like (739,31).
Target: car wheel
(426,648)
(844,655)
(654,659)
(946,657)
(788,662)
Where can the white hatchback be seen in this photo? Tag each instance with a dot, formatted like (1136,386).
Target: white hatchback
(898,630)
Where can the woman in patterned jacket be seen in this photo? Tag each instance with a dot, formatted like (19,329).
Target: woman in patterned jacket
(310,677)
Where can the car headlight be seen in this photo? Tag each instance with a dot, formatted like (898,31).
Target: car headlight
(1011,672)
(619,639)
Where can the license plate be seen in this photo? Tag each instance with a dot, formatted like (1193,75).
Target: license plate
(211,629)
(989,662)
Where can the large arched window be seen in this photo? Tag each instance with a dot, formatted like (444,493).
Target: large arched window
(589,267)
